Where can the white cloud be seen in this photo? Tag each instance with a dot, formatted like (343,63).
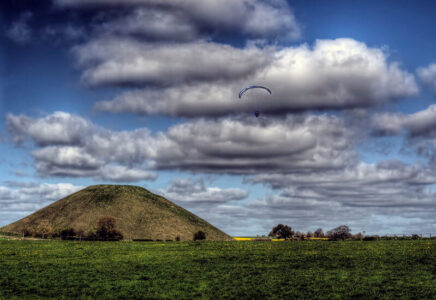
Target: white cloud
(155,24)
(247,146)
(18,199)
(195,191)
(68,145)
(420,123)
(428,76)
(126,61)
(363,196)
(334,74)
(30,197)
(255,18)
(240,146)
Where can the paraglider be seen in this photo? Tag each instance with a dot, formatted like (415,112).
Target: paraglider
(257,111)
(254,87)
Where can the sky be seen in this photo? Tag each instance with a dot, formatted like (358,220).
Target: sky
(145,92)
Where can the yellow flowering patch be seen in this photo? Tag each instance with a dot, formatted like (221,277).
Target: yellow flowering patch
(242,239)
(318,239)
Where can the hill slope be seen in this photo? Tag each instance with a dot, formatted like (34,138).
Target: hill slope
(139,214)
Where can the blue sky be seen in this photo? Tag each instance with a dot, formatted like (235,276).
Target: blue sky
(144,92)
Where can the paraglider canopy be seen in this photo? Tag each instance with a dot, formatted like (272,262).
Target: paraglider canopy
(253,87)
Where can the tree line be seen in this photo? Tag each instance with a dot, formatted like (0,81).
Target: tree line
(339,233)
(105,231)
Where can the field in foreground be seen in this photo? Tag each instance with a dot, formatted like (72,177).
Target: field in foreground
(315,269)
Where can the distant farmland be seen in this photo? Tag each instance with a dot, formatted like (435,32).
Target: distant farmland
(211,270)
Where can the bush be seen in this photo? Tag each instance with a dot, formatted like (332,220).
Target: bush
(318,233)
(358,236)
(177,238)
(67,233)
(415,237)
(199,236)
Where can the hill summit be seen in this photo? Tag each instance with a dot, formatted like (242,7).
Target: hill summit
(139,214)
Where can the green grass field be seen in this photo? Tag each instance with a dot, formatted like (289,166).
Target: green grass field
(214,270)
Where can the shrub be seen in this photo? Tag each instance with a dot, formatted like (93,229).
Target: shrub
(318,233)
(415,236)
(91,235)
(199,236)
(67,233)
(178,238)
(370,238)
(358,236)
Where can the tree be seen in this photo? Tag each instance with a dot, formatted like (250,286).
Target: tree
(106,229)
(44,228)
(199,236)
(318,233)
(341,232)
(281,232)
(25,228)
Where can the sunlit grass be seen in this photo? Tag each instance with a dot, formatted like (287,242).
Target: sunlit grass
(213,270)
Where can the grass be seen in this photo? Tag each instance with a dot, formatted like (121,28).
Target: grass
(213,270)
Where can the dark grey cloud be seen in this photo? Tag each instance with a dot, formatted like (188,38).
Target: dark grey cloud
(20,31)
(195,191)
(333,74)
(254,18)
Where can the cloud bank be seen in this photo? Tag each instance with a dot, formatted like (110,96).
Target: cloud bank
(236,146)
(333,74)
(254,18)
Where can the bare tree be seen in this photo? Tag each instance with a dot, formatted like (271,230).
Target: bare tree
(44,227)
(25,228)
(106,229)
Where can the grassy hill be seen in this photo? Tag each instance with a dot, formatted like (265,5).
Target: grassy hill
(139,214)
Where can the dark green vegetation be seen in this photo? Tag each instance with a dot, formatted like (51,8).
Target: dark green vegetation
(213,270)
(139,214)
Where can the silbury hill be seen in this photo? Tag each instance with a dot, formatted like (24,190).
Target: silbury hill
(139,214)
